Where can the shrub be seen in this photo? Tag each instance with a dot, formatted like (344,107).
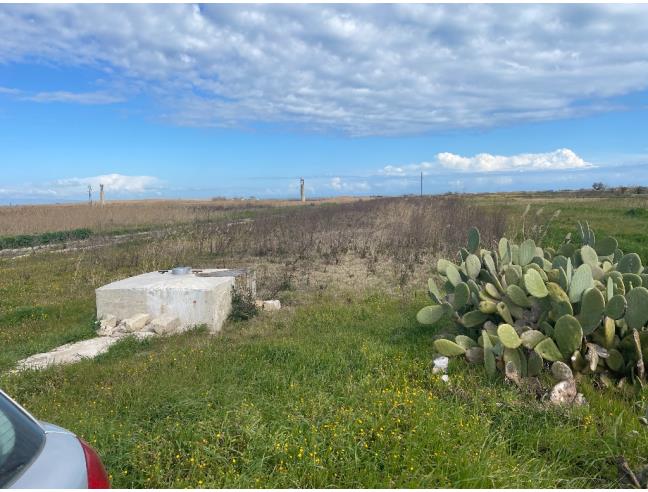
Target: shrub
(583,308)
(243,305)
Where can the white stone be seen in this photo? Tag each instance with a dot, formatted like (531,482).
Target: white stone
(440,364)
(136,323)
(194,300)
(273,305)
(563,393)
(141,335)
(107,326)
(68,353)
(108,321)
(165,325)
(445,378)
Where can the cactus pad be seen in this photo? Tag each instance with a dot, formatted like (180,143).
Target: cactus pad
(631,280)
(453,274)
(630,263)
(547,350)
(591,311)
(616,306)
(431,314)
(488,307)
(473,266)
(568,334)
(580,282)
(556,292)
(534,284)
(526,252)
(615,360)
(589,256)
(504,312)
(606,246)
(561,371)
(448,348)
(534,364)
(473,318)
(492,291)
(517,358)
(433,290)
(508,336)
(465,342)
(531,338)
(637,311)
(461,295)
(473,240)
(518,296)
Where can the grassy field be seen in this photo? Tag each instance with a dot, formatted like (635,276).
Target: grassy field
(134,215)
(335,390)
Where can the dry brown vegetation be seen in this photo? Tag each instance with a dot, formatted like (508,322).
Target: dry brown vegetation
(34,219)
(392,241)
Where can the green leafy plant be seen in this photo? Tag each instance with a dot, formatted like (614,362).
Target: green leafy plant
(582,307)
(243,305)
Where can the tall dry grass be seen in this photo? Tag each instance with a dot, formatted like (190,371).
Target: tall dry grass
(35,219)
(396,239)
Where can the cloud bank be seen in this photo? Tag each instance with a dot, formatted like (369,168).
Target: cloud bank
(355,69)
(118,183)
(77,188)
(560,159)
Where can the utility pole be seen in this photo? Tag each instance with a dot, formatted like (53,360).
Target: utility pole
(421,183)
(101,195)
(301,190)
(90,194)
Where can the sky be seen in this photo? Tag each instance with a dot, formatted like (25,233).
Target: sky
(197,101)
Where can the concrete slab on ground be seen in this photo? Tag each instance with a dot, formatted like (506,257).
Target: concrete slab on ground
(194,298)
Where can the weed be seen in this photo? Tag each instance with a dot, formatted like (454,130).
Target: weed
(243,305)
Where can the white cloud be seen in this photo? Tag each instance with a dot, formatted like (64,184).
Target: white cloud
(358,69)
(556,160)
(338,184)
(74,97)
(96,97)
(560,159)
(117,183)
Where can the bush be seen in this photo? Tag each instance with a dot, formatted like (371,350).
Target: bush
(30,241)
(583,308)
(243,305)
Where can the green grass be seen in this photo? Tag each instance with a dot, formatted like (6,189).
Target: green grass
(33,240)
(336,390)
(623,218)
(335,393)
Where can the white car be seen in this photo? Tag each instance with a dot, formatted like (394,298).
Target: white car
(38,455)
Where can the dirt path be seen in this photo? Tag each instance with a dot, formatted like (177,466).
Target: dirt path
(82,244)
(92,242)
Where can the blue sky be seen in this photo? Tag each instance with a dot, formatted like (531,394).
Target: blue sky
(241,100)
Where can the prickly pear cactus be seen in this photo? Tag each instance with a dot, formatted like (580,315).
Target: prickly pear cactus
(583,307)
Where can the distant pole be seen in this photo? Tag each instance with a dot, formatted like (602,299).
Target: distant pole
(101,195)
(90,194)
(421,183)
(301,190)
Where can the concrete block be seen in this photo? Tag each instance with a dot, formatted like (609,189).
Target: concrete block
(273,305)
(65,354)
(165,325)
(136,323)
(200,297)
